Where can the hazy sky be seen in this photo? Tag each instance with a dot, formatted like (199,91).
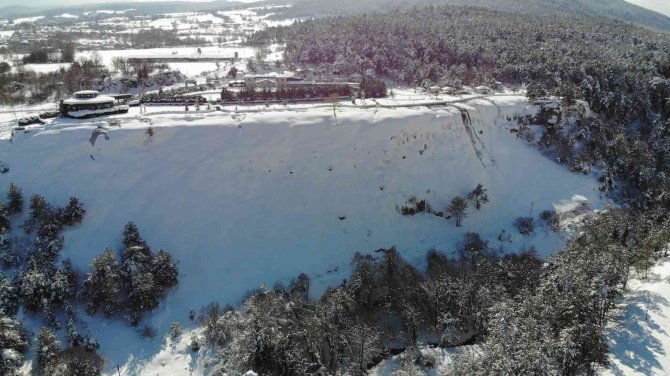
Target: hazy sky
(72,2)
(661,6)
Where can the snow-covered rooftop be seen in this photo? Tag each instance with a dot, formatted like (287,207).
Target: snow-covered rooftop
(98,99)
(86,92)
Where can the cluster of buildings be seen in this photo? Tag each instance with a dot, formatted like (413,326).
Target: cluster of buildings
(23,39)
(282,81)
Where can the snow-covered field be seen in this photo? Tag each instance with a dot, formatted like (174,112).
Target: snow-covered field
(181,52)
(46,68)
(246,199)
(640,337)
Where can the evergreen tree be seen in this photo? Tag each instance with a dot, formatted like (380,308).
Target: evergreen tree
(72,335)
(73,212)
(14,199)
(103,284)
(47,350)
(34,288)
(5,224)
(39,209)
(9,298)
(144,294)
(6,258)
(164,270)
(131,236)
(14,343)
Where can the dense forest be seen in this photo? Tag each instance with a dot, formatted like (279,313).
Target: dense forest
(616,9)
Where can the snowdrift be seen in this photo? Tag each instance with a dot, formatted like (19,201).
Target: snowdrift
(245,200)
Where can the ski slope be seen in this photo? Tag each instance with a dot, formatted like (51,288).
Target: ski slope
(244,200)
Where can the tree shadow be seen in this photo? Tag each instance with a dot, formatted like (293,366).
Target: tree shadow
(633,338)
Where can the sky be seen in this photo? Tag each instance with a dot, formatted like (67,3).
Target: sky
(660,6)
(39,3)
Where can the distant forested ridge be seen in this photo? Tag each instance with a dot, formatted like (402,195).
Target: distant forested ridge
(609,63)
(617,9)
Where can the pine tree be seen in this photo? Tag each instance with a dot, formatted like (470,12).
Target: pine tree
(457,209)
(5,224)
(136,258)
(34,288)
(6,258)
(14,199)
(73,212)
(39,209)
(131,236)
(102,286)
(46,350)
(14,343)
(144,294)
(72,335)
(9,298)
(164,270)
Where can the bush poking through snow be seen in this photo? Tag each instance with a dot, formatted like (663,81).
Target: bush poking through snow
(478,196)
(148,332)
(195,343)
(176,330)
(550,219)
(525,225)
(414,206)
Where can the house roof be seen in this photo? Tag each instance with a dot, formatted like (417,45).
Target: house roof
(86,92)
(97,100)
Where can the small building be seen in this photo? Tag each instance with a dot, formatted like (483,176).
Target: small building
(449,90)
(237,83)
(89,103)
(266,81)
(465,90)
(483,90)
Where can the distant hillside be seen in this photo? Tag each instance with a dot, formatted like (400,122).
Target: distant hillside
(618,9)
(143,8)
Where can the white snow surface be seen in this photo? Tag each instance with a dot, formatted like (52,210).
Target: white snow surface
(404,364)
(639,338)
(244,200)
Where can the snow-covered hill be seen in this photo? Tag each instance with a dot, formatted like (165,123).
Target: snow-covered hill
(245,200)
